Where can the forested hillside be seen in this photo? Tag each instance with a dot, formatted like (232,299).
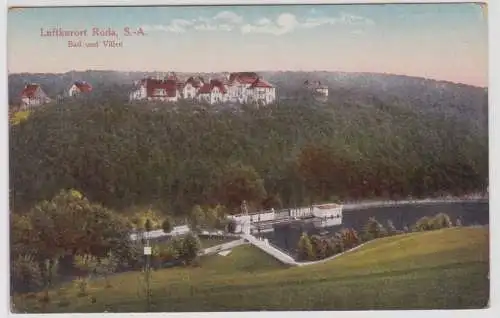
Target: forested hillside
(364,143)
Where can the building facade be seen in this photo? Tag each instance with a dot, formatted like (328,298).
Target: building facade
(79,87)
(33,96)
(243,87)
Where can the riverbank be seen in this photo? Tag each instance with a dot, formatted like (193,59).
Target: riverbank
(360,205)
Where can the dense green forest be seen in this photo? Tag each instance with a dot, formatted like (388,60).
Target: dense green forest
(296,152)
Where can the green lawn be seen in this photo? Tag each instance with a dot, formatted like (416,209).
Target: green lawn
(439,269)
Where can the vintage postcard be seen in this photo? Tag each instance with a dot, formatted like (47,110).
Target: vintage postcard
(248,158)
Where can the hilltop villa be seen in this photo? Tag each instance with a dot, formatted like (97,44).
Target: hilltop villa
(79,87)
(33,96)
(243,87)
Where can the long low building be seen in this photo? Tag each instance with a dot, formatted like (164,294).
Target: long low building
(324,215)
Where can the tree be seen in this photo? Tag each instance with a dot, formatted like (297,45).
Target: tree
(272,202)
(197,218)
(305,248)
(239,183)
(350,238)
(167,225)
(373,229)
(191,245)
(70,225)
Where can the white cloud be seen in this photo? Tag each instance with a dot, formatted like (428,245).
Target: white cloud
(284,23)
(175,26)
(346,18)
(213,27)
(287,22)
(263,21)
(228,17)
(223,21)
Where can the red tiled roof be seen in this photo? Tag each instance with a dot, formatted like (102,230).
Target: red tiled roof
(207,88)
(261,83)
(170,87)
(29,90)
(84,87)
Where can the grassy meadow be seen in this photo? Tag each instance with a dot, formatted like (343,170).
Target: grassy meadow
(446,269)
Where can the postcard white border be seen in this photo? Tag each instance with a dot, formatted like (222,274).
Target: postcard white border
(494,94)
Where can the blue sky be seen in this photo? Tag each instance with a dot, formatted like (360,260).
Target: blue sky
(442,41)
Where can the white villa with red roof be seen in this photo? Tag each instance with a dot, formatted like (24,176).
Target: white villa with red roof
(79,87)
(243,87)
(213,92)
(156,90)
(33,96)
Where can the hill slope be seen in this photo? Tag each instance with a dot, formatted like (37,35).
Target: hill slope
(439,269)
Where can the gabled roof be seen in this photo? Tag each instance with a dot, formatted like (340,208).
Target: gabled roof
(83,86)
(208,88)
(261,83)
(30,90)
(170,87)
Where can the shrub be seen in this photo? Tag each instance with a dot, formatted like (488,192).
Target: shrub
(305,248)
(339,247)
(25,274)
(391,229)
(440,221)
(330,248)
(373,229)
(423,224)
(318,247)
(349,238)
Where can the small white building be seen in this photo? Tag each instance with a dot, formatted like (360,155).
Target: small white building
(79,87)
(322,90)
(156,90)
(33,96)
(327,211)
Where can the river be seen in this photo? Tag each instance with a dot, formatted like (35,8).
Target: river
(469,213)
